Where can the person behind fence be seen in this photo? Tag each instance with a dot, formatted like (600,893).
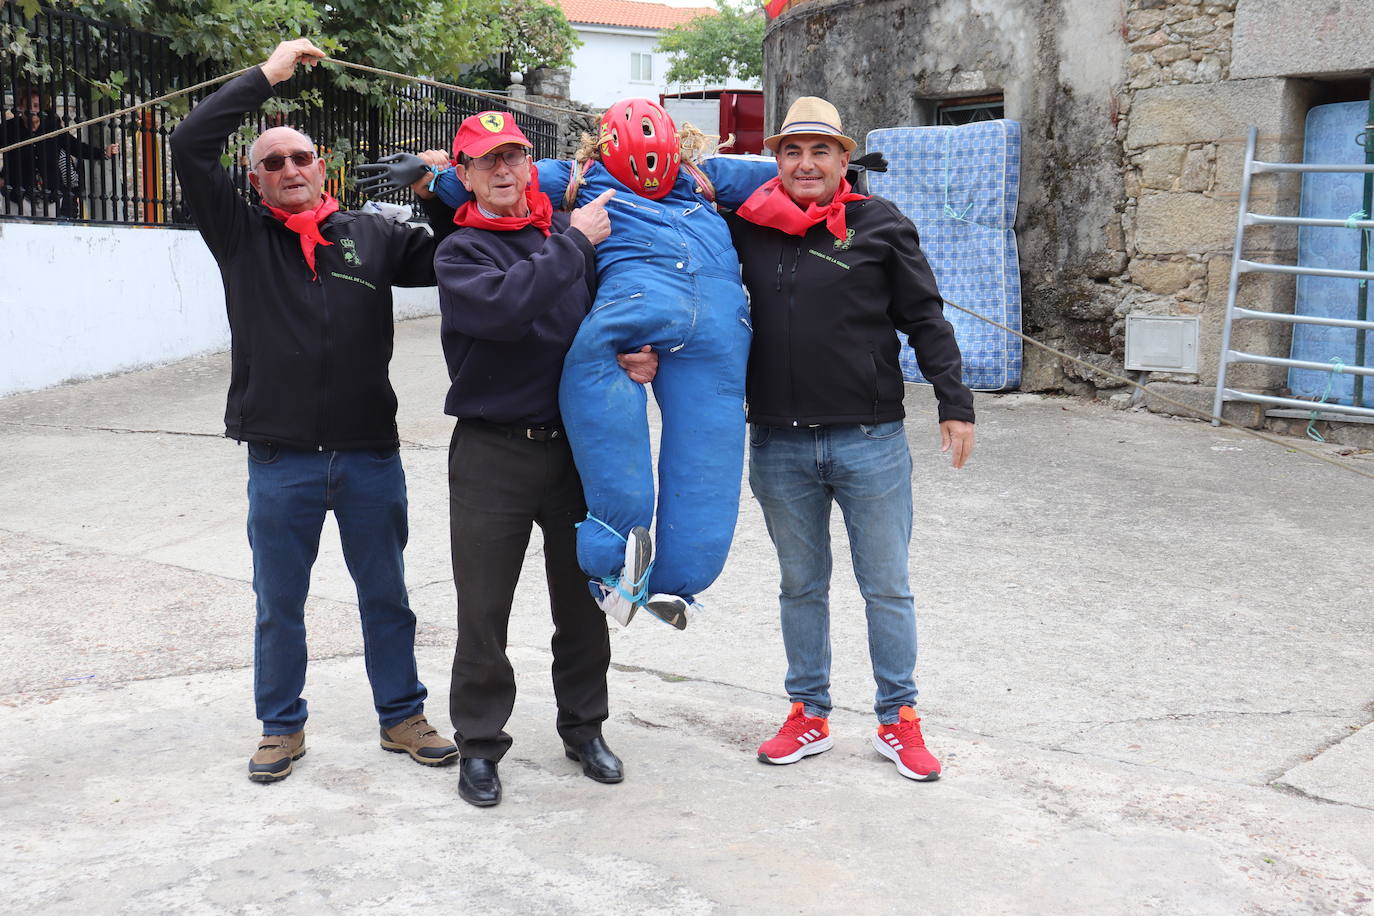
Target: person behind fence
(670,280)
(832,276)
(42,179)
(308,292)
(515,282)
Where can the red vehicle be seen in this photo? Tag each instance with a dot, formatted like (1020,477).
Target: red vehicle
(722,111)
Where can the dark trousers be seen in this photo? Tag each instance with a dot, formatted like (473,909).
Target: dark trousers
(499,484)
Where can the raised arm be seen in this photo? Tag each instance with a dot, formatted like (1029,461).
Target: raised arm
(199,141)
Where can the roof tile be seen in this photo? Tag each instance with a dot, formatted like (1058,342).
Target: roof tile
(631,13)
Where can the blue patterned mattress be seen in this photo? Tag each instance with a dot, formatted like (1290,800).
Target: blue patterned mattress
(1332,137)
(959,185)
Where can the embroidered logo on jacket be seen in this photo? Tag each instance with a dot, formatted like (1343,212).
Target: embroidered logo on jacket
(844,243)
(350,252)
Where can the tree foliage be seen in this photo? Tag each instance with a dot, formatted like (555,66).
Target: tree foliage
(530,34)
(424,37)
(435,38)
(716,49)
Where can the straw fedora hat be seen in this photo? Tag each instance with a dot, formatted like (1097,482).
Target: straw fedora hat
(811,115)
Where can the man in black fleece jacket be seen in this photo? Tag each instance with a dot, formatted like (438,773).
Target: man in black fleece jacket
(308,291)
(832,275)
(515,281)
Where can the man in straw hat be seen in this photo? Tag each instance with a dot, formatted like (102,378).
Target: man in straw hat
(831,275)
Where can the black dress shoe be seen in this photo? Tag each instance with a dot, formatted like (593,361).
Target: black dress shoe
(478,783)
(598,761)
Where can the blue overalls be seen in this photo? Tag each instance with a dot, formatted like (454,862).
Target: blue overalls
(668,277)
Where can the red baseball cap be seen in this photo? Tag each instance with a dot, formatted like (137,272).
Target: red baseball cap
(485,131)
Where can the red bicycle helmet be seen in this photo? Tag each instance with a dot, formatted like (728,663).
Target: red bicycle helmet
(639,146)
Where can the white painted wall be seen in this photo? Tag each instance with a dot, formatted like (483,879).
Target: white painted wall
(80,301)
(601,67)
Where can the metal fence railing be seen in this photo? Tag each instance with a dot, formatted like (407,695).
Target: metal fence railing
(74,69)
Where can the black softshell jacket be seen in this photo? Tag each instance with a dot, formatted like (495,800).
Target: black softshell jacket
(824,313)
(309,356)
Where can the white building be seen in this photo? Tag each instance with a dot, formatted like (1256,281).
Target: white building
(617,59)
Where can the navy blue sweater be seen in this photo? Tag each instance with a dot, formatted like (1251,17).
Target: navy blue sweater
(512,303)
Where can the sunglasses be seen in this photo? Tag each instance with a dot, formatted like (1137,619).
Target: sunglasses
(511,157)
(277,163)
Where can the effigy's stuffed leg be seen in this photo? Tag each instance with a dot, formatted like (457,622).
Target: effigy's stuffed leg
(700,392)
(604,415)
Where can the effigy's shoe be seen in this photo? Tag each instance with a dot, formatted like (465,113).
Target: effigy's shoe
(619,598)
(613,604)
(671,609)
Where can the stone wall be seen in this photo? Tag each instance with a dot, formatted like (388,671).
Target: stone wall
(1134,119)
(1183,132)
(899,55)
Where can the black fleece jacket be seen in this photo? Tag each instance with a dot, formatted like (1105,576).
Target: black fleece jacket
(309,356)
(824,313)
(512,303)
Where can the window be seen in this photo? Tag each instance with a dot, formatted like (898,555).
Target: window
(641,68)
(966,111)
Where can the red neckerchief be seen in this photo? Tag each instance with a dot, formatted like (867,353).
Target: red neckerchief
(770,206)
(307,225)
(540,215)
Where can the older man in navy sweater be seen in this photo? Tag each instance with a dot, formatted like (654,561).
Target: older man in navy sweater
(515,282)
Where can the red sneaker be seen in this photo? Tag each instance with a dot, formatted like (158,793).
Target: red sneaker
(901,742)
(800,736)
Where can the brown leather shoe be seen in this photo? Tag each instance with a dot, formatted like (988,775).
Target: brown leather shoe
(275,755)
(416,737)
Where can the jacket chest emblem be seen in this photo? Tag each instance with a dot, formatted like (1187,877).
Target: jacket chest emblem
(844,243)
(350,252)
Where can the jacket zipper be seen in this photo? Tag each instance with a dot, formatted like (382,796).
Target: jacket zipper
(791,303)
(325,347)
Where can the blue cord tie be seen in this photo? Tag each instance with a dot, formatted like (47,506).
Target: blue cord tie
(434,176)
(641,588)
(1337,367)
(948,210)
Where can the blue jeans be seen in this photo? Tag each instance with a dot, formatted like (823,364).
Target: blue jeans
(795,473)
(289,492)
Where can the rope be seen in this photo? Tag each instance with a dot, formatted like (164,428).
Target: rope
(1157,396)
(123,111)
(333,60)
(1337,367)
(948,210)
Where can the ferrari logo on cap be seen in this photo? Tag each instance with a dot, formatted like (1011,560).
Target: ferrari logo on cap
(493,121)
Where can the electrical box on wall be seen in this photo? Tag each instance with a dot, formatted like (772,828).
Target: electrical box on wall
(1162,343)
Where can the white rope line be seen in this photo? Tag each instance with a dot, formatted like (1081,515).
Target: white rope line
(1156,395)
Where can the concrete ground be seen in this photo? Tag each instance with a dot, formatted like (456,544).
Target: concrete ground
(1146,661)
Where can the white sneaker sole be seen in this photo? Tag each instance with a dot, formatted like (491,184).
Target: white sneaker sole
(806,750)
(892,755)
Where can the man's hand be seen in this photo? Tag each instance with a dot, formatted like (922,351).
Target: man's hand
(956,437)
(112,150)
(641,366)
(282,63)
(593,221)
(437,160)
